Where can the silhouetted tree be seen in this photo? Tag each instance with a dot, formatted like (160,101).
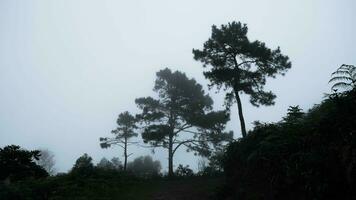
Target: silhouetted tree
(344,78)
(116,163)
(17,164)
(240,66)
(83,165)
(122,134)
(293,113)
(144,165)
(105,164)
(181,107)
(184,171)
(46,160)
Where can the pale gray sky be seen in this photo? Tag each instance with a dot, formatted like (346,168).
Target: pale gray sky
(69,67)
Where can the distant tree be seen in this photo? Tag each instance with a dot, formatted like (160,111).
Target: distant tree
(144,165)
(116,163)
(105,164)
(240,66)
(122,134)
(17,164)
(344,78)
(184,171)
(181,107)
(202,164)
(83,165)
(293,113)
(46,160)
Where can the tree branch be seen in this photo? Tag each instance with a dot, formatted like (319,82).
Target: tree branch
(182,128)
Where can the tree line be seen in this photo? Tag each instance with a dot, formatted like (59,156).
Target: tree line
(182,107)
(306,155)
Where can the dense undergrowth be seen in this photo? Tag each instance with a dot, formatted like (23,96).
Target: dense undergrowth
(305,156)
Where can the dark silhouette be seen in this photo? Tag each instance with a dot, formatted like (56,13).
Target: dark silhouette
(239,65)
(144,166)
(182,107)
(83,166)
(114,164)
(305,156)
(124,131)
(184,171)
(293,113)
(19,164)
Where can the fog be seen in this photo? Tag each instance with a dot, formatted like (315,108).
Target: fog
(68,68)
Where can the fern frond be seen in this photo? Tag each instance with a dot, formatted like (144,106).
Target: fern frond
(341,85)
(341,72)
(340,78)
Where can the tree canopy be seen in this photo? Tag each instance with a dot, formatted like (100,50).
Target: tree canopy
(144,166)
(181,107)
(240,65)
(83,165)
(17,164)
(125,130)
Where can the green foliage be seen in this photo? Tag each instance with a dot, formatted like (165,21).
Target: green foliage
(145,166)
(240,65)
(305,156)
(109,184)
(294,113)
(184,171)
(106,164)
(83,166)
(126,129)
(182,107)
(18,164)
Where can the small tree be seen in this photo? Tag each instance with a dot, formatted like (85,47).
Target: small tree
(46,160)
(293,113)
(116,163)
(83,165)
(122,134)
(181,107)
(239,65)
(105,164)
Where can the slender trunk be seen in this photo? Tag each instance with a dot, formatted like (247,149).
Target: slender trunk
(170,156)
(238,100)
(125,154)
(241,116)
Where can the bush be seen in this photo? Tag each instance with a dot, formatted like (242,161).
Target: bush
(144,166)
(184,171)
(83,166)
(306,157)
(19,164)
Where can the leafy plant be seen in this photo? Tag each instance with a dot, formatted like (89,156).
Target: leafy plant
(344,78)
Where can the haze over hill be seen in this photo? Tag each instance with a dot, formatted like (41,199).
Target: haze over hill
(68,68)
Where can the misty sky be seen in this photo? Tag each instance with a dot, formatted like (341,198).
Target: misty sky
(68,68)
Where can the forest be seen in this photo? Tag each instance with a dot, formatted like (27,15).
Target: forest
(307,154)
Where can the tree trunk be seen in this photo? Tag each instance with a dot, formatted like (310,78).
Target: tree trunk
(241,116)
(170,156)
(125,154)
